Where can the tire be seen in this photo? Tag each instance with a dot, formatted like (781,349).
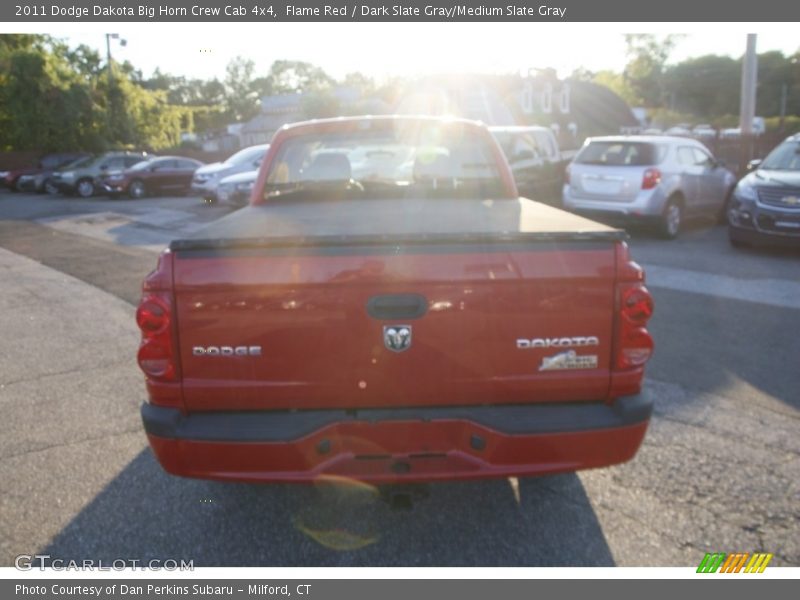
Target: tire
(85,188)
(136,189)
(669,226)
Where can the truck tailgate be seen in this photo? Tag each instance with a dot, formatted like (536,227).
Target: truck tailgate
(303,317)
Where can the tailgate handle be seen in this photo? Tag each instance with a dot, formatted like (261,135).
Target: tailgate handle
(397,306)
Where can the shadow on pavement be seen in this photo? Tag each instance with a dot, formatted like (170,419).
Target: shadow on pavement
(146,514)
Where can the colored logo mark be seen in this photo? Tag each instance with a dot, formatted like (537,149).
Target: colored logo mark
(743,562)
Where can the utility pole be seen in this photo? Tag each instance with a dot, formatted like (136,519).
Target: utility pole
(784,94)
(747,106)
(109,37)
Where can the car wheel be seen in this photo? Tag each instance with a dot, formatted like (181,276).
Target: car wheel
(671,219)
(136,189)
(50,187)
(85,188)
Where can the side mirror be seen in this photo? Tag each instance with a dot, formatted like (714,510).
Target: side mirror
(753,164)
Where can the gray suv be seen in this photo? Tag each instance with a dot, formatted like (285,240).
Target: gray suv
(81,177)
(656,179)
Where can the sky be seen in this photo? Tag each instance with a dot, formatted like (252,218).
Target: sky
(382,50)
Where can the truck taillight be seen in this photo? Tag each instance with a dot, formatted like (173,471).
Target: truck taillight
(152,316)
(637,305)
(633,344)
(158,350)
(635,349)
(651,178)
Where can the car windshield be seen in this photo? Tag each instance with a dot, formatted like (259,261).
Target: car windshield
(626,154)
(247,155)
(785,157)
(409,160)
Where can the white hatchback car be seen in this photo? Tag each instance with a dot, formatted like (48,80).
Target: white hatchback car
(661,180)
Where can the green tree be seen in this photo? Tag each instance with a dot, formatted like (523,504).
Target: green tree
(706,86)
(647,56)
(290,76)
(240,97)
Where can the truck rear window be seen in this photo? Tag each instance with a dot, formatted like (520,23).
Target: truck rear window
(422,160)
(620,154)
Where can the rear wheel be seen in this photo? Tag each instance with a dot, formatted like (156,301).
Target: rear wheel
(136,189)
(85,188)
(671,219)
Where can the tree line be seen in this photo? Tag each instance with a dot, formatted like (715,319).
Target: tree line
(704,88)
(54,97)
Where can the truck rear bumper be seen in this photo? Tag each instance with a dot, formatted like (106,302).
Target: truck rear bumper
(393,445)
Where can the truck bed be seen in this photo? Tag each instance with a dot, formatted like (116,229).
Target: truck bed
(358,222)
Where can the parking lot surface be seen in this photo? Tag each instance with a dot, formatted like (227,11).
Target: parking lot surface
(718,470)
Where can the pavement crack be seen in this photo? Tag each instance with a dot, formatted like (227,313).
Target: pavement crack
(82,369)
(70,443)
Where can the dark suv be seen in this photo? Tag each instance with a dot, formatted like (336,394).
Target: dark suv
(81,177)
(765,205)
(535,159)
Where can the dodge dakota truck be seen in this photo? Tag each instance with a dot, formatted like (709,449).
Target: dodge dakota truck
(387,309)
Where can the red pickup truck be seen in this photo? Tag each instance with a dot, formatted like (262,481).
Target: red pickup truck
(388,309)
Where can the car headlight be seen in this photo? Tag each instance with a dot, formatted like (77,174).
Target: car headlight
(245,186)
(745,190)
(68,175)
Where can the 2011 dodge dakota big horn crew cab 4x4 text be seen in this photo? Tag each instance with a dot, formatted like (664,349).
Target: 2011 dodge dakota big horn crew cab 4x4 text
(387,309)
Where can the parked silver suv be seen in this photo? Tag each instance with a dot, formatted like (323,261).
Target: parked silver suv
(660,179)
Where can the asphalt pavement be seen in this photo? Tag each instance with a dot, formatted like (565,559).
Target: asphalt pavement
(718,470)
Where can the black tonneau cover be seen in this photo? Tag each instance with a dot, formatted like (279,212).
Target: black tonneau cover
(367,222)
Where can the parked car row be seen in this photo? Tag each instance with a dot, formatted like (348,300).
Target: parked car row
(665,180)
(139,174)
(705,131)
(659,180)
(36,178)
